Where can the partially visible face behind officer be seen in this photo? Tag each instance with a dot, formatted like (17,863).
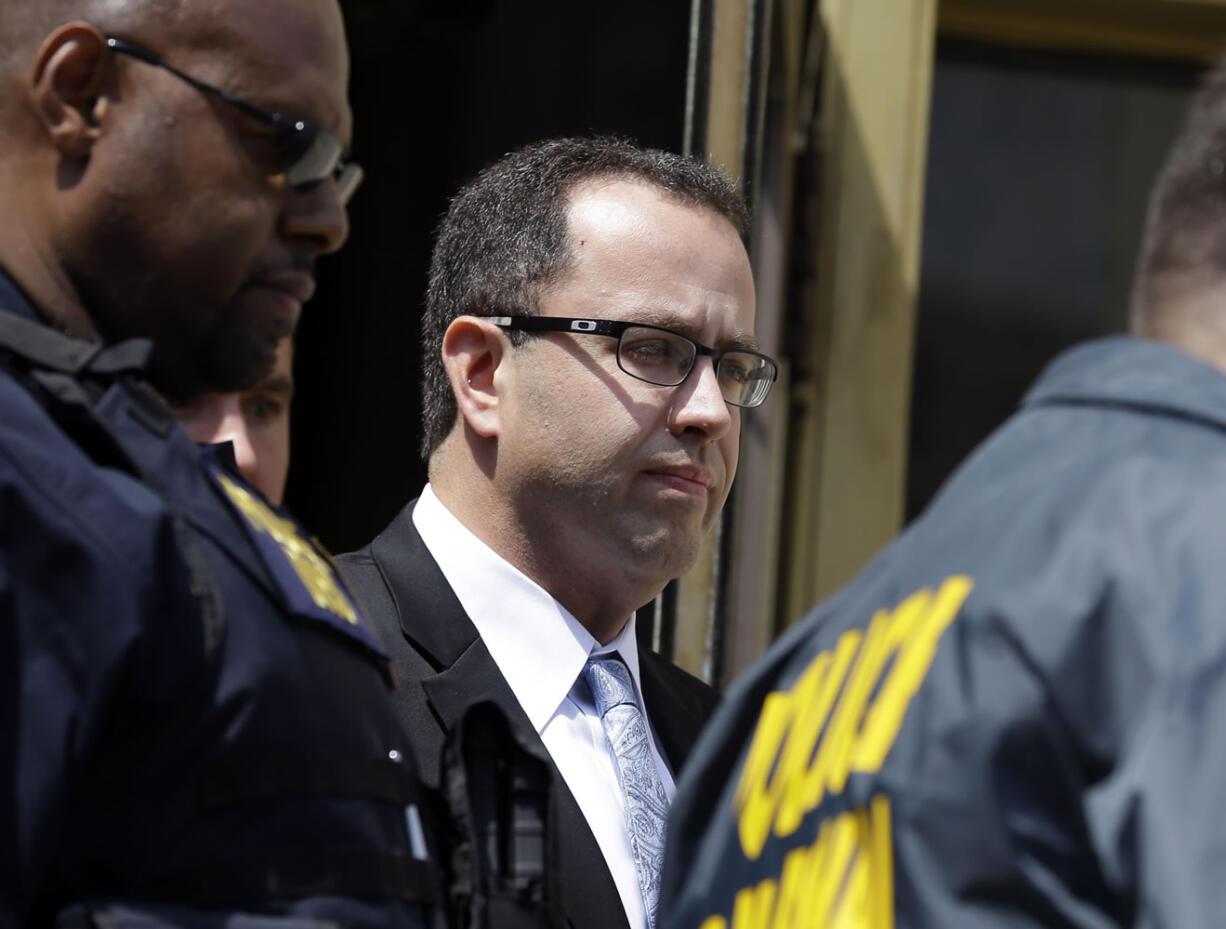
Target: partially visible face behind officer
(138,203)
(254,421)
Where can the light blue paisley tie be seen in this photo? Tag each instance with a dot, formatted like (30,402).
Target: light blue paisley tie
(646,802)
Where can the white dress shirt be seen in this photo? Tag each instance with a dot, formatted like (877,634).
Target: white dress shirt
(541,649)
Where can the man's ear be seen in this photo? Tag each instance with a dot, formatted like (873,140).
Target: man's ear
(473,348)
(66,87)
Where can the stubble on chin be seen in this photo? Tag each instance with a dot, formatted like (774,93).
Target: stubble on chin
(234,354)
(665,548)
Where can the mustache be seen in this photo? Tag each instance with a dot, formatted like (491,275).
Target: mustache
(296,260)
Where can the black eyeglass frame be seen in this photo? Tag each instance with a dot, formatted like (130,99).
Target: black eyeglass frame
(614,328)
(307,153)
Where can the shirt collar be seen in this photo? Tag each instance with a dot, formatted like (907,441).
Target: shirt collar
(625,644)
(538,645)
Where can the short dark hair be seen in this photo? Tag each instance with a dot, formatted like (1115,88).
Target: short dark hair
(1185,228)
(505,237)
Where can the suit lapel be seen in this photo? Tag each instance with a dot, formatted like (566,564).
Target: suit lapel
(676,715)
(589,896)
(430,615)
(465,674)
(471,679)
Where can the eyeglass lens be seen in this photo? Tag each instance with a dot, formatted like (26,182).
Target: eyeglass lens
(310,154)
(665,358)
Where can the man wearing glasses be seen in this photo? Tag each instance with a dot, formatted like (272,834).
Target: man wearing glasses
(589,353)
(195,720)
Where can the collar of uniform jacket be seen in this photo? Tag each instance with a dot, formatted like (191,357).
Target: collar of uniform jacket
(13,300)
(1134,373)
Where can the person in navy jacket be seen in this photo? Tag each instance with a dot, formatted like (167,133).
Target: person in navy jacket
(1016,715)
(195,722)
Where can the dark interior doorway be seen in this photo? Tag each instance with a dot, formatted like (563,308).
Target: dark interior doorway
(439,89)
(1039,166)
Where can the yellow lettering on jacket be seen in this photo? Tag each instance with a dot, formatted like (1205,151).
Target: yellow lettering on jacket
(843,714)
(844,880)
(794,720)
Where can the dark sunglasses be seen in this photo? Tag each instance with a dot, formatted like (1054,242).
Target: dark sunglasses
(307,153)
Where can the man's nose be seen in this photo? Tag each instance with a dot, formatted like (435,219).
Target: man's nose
(316,216)
(699,405)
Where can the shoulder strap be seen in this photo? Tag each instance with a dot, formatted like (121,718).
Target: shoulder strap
(503,863)
(72,375)
(44,347)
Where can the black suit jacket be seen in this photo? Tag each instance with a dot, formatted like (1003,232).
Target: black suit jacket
(442,667)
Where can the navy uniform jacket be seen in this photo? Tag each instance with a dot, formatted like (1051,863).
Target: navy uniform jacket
(1016,716)
(195,723)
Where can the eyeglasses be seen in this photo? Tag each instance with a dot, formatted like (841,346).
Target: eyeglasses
(663,357)
(307,153)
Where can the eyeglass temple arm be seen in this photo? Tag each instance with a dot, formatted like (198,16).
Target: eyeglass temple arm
(121,47)
(560,324)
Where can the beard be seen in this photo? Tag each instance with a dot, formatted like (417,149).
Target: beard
(236,353)
(231,352)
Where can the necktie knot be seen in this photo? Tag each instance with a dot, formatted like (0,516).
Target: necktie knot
(609,680)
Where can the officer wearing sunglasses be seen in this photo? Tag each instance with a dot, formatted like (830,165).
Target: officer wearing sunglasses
(196,726)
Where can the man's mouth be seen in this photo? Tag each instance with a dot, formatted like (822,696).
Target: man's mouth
(299,286)
(688,479)
(283,294)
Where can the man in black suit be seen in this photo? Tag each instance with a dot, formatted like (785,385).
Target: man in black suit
(588,346)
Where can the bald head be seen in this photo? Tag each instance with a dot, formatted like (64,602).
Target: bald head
(142,202)
(25,23)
